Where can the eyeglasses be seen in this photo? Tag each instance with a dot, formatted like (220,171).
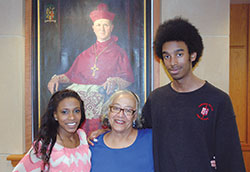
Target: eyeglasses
(127,112)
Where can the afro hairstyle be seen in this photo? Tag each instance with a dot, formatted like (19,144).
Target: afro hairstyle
(179,29)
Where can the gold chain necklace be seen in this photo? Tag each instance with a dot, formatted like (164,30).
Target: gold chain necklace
(95,68)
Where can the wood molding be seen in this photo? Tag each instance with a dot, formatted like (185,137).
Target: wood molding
(245,147)
(156,23)
(28,105)
(248,81)
(15,158)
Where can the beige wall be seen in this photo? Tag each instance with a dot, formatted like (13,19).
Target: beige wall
(210,16)
(11,80)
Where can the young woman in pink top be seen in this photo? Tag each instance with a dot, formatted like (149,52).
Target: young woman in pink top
(60,145)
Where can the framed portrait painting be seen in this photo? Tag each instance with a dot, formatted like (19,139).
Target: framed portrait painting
(94,47)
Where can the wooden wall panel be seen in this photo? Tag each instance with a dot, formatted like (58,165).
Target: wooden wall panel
(239,88)
(248,80)
(238,30)
(247,159)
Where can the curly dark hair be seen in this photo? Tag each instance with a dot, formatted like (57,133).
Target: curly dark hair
(179,29)
(46,138)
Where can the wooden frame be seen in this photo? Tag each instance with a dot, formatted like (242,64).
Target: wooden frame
(30,96)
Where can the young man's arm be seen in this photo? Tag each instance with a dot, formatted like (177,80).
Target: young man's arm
(228,154)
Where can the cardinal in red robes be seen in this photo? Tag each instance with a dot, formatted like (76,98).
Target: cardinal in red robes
(98,71)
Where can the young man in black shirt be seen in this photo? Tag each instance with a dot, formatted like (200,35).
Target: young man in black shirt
(193,122)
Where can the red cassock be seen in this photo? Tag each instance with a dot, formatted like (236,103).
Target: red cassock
(112,61)
(91,69)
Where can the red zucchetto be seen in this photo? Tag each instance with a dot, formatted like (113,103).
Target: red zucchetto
(101,13)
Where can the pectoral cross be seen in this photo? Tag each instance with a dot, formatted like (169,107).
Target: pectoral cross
(94,68)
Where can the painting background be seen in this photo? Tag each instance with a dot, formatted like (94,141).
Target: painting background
(62,41)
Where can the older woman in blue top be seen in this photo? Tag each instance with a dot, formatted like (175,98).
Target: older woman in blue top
(124,148)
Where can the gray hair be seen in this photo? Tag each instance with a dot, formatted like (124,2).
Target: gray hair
(106,109)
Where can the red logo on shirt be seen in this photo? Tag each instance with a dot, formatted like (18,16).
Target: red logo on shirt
(205,109)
